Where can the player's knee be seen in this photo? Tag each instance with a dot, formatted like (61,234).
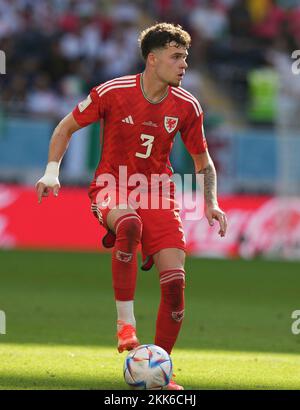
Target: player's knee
(172,280)
(172,286)
(129,229)
(174,289)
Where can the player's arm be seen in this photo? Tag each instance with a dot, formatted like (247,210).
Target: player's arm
(193,136)
(204,165)
(58,145)
(90,110)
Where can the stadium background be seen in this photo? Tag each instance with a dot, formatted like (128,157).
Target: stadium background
(55,284)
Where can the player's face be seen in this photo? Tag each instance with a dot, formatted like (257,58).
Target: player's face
(170,64)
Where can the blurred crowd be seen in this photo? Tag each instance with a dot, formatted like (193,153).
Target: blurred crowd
(56,50)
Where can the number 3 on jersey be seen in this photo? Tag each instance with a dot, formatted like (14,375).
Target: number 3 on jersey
(147,142)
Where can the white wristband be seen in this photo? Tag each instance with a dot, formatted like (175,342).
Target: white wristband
(52,169)
(50,178)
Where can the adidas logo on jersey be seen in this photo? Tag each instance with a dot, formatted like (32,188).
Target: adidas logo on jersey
(128,120)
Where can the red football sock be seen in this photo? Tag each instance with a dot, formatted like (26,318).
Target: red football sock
(171,309)
(128,229)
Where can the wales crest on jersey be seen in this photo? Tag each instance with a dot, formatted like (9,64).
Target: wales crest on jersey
(170,123)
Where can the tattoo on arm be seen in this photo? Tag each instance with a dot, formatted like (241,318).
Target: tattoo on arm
(210,184)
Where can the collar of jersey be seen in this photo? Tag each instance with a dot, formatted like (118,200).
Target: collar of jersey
(144,94)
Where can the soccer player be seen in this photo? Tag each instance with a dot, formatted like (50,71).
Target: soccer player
(140,115)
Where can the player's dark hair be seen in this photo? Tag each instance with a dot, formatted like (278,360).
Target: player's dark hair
(160,35)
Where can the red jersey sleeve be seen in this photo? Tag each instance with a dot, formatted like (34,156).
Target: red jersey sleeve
(90,110)
(192,132)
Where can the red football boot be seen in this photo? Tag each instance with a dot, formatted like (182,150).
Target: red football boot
(127,339)
(173,385)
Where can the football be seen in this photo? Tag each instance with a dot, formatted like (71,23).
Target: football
(148,367)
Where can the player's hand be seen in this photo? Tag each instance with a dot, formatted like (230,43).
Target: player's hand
(45,185)
(214,212)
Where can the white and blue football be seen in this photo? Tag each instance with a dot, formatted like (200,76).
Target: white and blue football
(148,367)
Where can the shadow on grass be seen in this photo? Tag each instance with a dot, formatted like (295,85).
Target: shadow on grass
(66,298)
(26,382)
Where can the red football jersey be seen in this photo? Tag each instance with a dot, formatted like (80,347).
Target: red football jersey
(139,134)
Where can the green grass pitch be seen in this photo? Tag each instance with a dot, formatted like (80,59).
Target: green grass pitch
(60,323)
